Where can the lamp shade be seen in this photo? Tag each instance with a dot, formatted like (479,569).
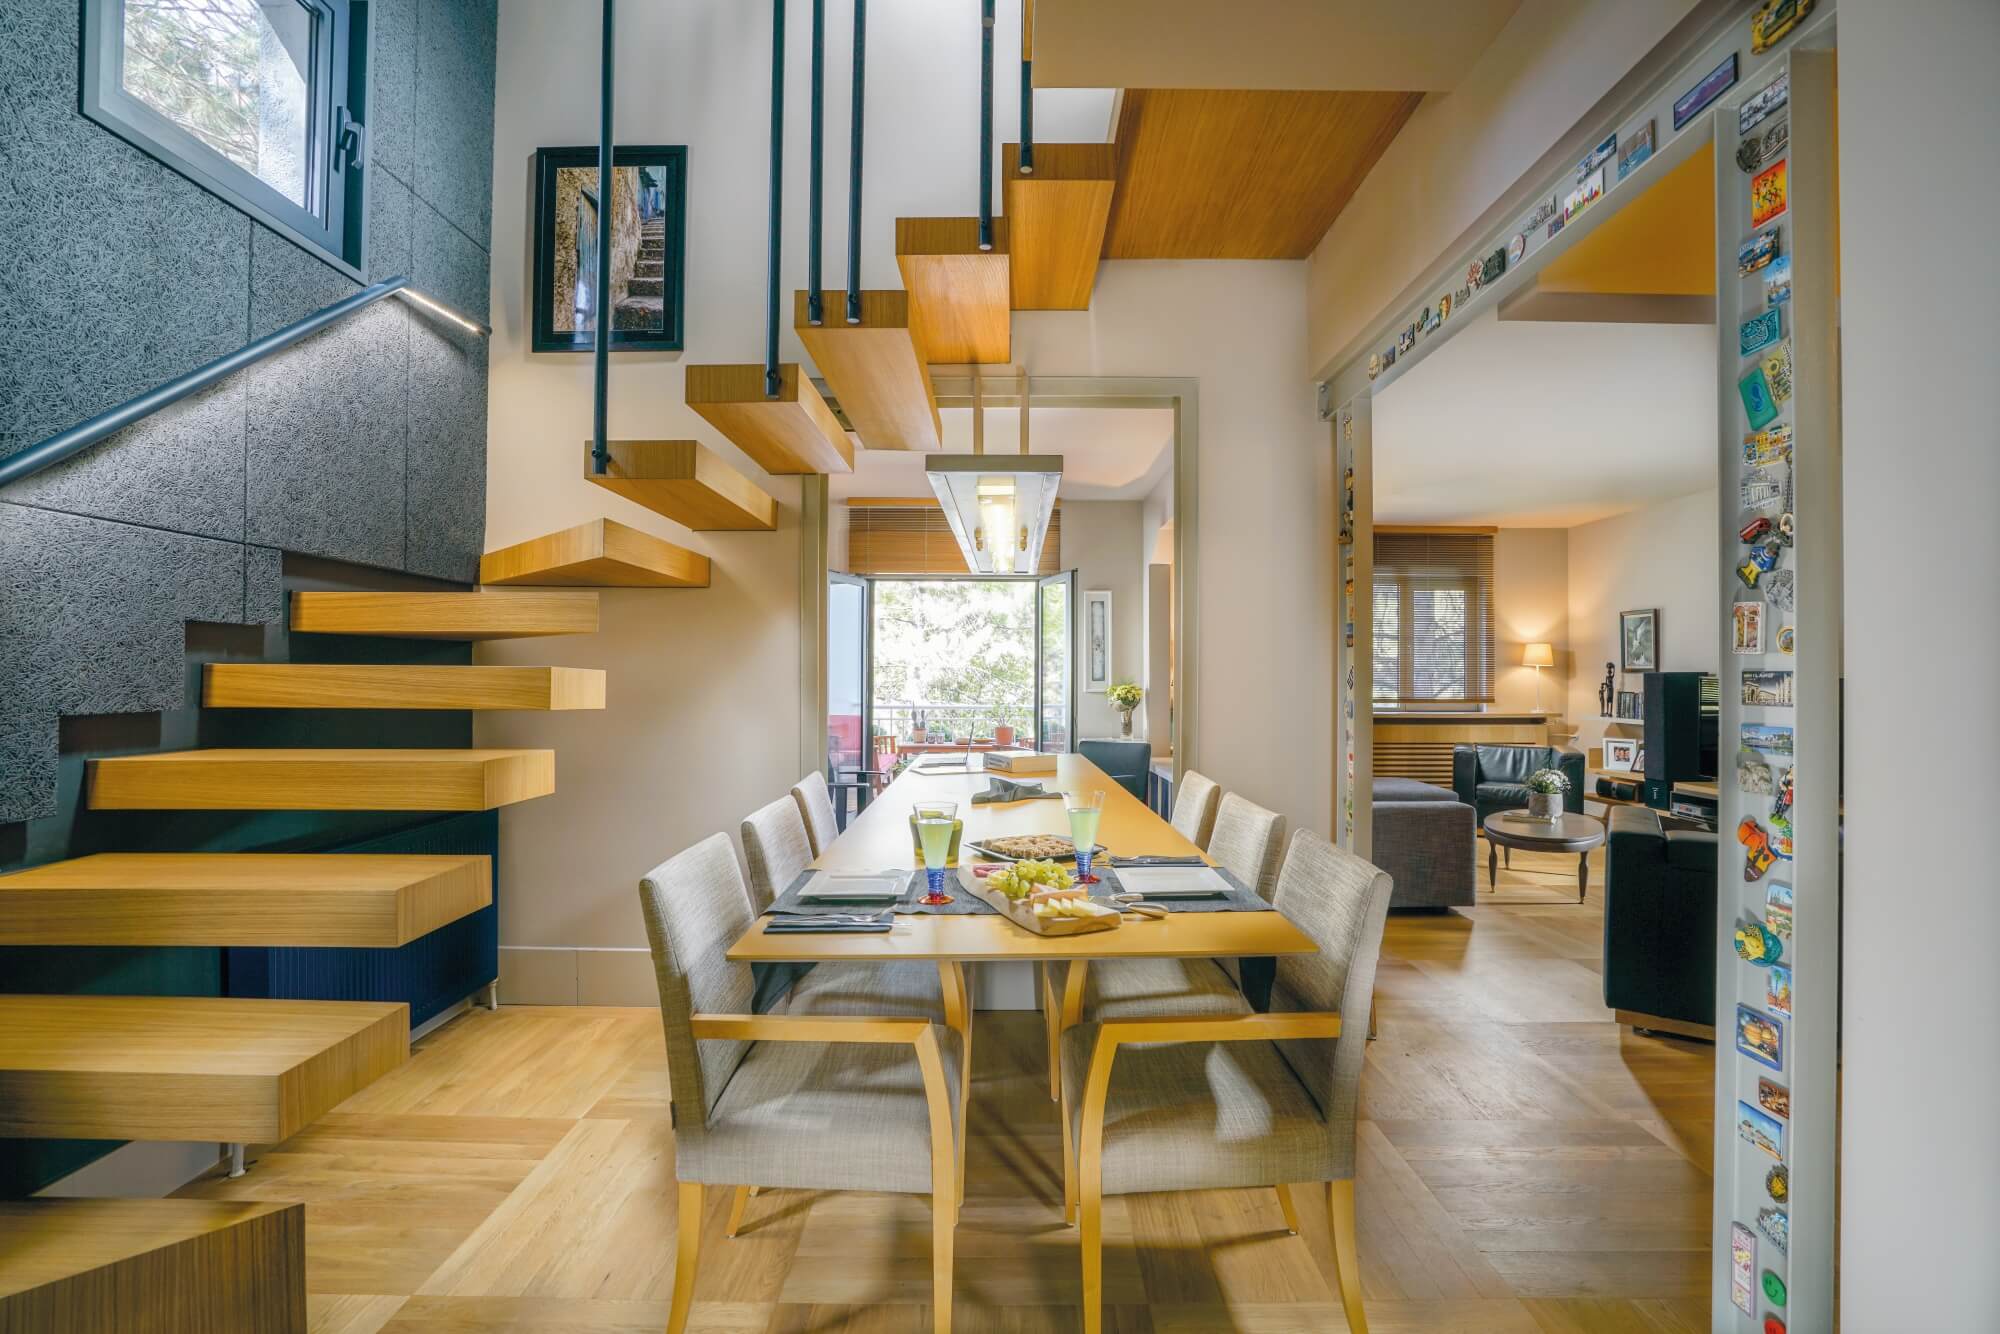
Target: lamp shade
(1538,655)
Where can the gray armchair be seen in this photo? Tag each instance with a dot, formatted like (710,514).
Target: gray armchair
(1495,778)
(1425,839)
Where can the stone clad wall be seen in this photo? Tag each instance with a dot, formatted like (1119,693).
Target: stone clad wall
(364,444)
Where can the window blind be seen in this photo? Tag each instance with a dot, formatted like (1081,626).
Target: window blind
(1433,618)
(915,539)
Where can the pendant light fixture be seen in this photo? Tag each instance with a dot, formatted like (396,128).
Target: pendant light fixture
(998,505)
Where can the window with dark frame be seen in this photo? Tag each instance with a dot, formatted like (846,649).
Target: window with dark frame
(1433,618)
(259,102)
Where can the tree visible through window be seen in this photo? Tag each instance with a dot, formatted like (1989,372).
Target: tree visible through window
(954,656)
(1433,618)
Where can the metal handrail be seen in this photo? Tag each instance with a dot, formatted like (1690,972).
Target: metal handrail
(606,326)
(83,435)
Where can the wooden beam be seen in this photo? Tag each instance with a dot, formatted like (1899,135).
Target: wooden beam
(152,1266)
(1056,222)
(303,685)
(523,615)
(876,368)
(961,297)
(794,433)
(602,553)
(241,899)
(319,780)
(187,1067)
(687,482)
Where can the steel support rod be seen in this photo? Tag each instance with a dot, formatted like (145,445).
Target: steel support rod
(854,165)
(815,302)
(600,451)
(773,381)
(986,124)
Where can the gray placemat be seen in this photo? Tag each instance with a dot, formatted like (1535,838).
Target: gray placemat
(1241,898)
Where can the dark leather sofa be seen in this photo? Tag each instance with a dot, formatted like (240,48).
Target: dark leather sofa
(1659,923)
(1495,778)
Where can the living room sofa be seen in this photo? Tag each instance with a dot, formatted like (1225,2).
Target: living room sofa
(1495,778)
(1659,924)
(1424,840)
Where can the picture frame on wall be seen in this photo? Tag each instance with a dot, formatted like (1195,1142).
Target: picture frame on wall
(648,248)
(1097,640)
(1639,640)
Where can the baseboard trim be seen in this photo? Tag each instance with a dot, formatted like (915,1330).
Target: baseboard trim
(1678,1027)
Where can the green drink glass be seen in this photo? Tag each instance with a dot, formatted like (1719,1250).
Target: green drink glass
(934,826)
(1085,809)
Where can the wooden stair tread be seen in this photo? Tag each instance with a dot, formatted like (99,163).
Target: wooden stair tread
(686,481)
(320,780)
(877,368)
(527,614)
(124,1264)
(354,900)
(1057,218)
(187,1067)
(961,297)
(794,433)
(601,553)
(315,685)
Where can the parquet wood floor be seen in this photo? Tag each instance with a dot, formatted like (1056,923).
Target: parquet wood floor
(1526,1168)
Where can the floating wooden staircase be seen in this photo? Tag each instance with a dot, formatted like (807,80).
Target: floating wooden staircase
(369,901)
(686,481)
(320,780)
(793,433)
(313,685)
(152,1266)
(960,296)
(602,553)
(187,1068)
(527,614)
(1056,221)
(877,368)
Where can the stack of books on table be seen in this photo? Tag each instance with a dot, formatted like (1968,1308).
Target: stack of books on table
(1020,761)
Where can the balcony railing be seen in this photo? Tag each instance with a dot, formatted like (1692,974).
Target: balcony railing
(954,722)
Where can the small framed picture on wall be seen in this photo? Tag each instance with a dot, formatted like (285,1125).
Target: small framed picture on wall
(1097,640)
(1639,641)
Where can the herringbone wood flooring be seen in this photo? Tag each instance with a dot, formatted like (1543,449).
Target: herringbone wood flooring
(1525,1166)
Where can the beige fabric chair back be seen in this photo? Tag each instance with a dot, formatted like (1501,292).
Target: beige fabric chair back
(1340,901)
(1248,841)
(1195,797)
(776,847)
(696,908)
(816,805)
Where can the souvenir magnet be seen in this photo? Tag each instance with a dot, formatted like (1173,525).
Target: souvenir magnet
(1444,307)
(1407,339)
(1588,191)
(1747,619)
(1778,371)
(1742,1268)
(1768,446)
(1756,252)
(1780,590)
(1760,1131)
(1761,149)
(1757,404)
(1775,1098)
(1756,944)
(1754,529)
(1767,690)
(1781,834)
(1374,364)
(1785,640)
(1492,267)
(1774,20)
(1637,149)
(1753,775)
(1774,1287)
(1517,247)
(1759,332)
(1766,555)
(1778,995)
(1787,528)
(1773,1325)
(1776,1227)
(1761,488)
(1757,855)
(1749,574)
(1760,1037)
(1597,157)
(1766,736)
(1778,281)
(1698,98)
(1768,193)
(1763,102)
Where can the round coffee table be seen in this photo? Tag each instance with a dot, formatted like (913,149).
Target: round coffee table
(1573,833)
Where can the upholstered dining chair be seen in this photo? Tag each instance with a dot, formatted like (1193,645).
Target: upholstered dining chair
(1195,798)
(811,1102)
(1236,1100)
(815,801)
(1124,762)
(1248,842)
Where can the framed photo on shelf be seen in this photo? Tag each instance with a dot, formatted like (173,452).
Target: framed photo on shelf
(1097,640)
(1639,640)
(648,248)
(1621,754)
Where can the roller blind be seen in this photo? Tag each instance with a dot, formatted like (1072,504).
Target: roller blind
(915,539)
(1434,618)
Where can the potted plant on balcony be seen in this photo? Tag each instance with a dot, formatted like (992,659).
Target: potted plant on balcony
(1003,735)
(1124,697)
(1546,788)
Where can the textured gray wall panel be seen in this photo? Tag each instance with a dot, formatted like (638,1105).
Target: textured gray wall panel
(119,274)
(447,501)
(287,284)
(329,424)
(181,468)
(263,585)
(392,88)
(389,220)
(454,111)
(447,265)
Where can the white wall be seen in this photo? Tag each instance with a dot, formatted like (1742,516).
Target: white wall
(1100,540)
(1530,605)
(1920,1162)
(1662,556)
(1263,583)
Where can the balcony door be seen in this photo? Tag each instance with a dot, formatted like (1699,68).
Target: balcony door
(847,646)
(1055,662)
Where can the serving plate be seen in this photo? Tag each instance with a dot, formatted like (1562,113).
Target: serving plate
(990,855)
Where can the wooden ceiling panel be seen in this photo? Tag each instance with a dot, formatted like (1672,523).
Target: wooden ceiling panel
(1242,174)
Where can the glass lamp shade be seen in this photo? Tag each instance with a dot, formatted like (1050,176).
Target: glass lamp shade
(998,506)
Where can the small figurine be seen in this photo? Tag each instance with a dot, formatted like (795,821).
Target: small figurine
(1607,692)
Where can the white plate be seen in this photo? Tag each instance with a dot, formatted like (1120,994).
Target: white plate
(854,889)
(1168,882)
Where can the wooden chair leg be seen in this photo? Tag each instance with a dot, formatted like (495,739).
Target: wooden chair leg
(688,1256)
(1052,1022)
(1346,1259)
(1069,1167)
(736,1208)
(1093,1258)
(1291,1213)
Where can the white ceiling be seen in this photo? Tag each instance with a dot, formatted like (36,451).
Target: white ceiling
(1108,453)
(1547,425)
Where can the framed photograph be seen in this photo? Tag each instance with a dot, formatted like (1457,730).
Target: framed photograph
(1639,640)
(1621,754)
(1097,640)
(648,248)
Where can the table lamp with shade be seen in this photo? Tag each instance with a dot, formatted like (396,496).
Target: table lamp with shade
(1538,656)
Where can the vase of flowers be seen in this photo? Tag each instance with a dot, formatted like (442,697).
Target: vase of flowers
(1124,697)
(1546,788)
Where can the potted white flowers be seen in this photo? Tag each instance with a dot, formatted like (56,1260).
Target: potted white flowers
(1546,788)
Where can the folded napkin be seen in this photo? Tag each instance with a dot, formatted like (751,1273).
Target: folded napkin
(1157,861)
(1009,789)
